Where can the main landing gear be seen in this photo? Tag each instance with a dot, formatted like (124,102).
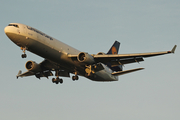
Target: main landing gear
(57,80)
(24,50)
(75,77)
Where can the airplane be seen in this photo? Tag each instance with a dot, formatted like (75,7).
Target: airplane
(65,60)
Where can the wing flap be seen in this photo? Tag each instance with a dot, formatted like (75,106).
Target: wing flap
(43,74)
(126,61)
(38,74)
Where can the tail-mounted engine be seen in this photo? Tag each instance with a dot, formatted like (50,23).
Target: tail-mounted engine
(32,66)
(85,58)
(101,53)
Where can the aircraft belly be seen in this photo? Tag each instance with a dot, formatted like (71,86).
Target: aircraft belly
(43,50)
(103,76)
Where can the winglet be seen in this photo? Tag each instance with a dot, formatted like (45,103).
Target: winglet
(174,48)
(18,74)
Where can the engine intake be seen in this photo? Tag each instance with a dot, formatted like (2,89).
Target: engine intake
(85,58)
(101,53)
(32,66)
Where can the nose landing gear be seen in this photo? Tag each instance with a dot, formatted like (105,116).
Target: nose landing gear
(75,77)
(24,50)
(23,55)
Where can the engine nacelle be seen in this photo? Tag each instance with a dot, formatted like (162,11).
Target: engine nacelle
(85,58)
(101,53)
(32,66)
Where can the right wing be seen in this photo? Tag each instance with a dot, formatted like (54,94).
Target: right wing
(47,67)
(37,74)
(28,73)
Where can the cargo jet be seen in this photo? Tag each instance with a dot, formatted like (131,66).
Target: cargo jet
(64,59)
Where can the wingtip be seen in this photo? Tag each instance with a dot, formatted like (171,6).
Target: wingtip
(140,68)
(174,48)
(17,76)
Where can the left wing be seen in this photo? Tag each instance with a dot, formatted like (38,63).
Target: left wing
(129,58)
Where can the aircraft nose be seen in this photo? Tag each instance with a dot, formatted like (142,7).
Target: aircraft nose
(8,29)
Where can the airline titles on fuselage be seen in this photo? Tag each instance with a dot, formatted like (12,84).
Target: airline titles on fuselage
(37,31)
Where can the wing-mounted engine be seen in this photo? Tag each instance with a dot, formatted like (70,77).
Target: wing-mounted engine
(39,70)
(33,66)
(85,58)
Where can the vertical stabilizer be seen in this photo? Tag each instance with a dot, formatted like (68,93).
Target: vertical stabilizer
(115,48)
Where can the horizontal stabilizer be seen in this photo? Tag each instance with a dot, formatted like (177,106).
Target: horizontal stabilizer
(126,71)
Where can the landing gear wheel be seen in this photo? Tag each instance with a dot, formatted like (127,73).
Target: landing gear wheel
(24,51)
(53,80)
(75,78)
(61,81)
(57,80)
(23,55)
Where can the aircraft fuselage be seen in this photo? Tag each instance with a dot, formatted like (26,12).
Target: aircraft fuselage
(53,50)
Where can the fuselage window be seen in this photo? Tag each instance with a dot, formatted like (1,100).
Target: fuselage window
(13,25)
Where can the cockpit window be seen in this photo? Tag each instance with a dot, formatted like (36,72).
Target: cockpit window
(13,25)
